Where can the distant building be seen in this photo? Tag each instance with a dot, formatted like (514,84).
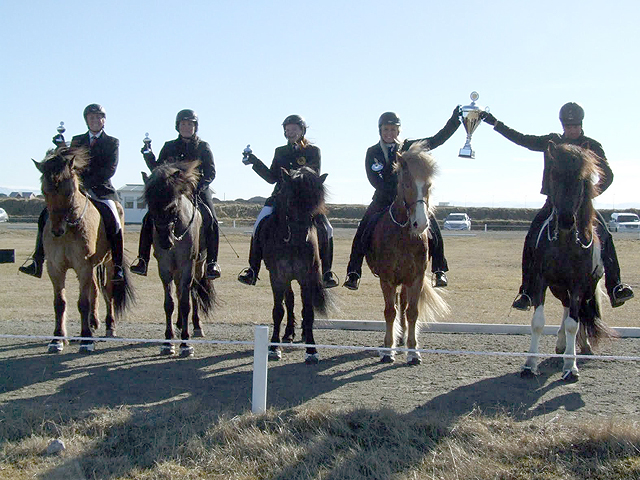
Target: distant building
(15,195)
(133,202)
(28,195)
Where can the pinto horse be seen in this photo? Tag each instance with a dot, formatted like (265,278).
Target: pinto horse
(74,237)
(567,257)
(399,254)
(289,243)
(180,248)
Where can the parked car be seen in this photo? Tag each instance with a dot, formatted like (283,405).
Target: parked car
(624,222)
(457,221)
(3,215)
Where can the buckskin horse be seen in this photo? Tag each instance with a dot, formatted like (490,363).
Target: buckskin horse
(74,237)
(289,243)
(180,248)
(399,255)
(567,258)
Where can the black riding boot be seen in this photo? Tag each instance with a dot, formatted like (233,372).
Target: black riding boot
(329,279)
(213,242)
(117,253)
(523,300)
(34,265)
(356,258)
(141,264)
(617,291)
(436,250)
(249,275)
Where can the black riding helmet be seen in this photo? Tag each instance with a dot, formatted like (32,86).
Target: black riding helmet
(571,114)
(388,118)
(93,108)
(296,120)
(186,114)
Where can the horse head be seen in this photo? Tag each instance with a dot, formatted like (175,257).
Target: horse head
(415,169)
(571,188)
(61,186)
(300,198)
(164,191)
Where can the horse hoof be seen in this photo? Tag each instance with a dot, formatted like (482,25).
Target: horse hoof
(311,358)
(414,358)
(528,372)
(110,333)
(569,376)
(387,359)
(87,348)
(186,351)
(55,347)
(167,349)
(275,355)
(198,333)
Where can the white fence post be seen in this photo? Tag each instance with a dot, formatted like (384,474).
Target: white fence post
(260,359)
(485,227)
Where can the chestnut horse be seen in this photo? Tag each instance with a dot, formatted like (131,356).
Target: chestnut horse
(74,237)
(567,257)
(179,247)
(289,243)
(399,254)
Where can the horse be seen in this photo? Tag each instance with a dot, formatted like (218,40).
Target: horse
(289,243)
(74,237)
(399,254)
(567,258)
(180,248)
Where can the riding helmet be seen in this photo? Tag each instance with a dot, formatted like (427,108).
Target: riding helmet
(93,108)
(571,114)
(186,114)
(388,118)
(296,120)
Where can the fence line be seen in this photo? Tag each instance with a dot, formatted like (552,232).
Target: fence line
(261,346)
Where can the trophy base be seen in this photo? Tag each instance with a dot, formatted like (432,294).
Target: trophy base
(246,162)
(467,152)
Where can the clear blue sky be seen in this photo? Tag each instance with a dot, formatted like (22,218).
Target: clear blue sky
(245,66)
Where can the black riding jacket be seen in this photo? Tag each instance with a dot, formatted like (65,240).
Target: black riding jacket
(540,143)
(385,181)
(102,164)
(290,157)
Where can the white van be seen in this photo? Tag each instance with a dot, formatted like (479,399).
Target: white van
(624,222)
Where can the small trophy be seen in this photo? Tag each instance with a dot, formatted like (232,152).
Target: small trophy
(245,155)
(147,144)
(58,140)
(470,115)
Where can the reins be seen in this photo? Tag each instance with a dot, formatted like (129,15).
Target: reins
(407,208)
(188,227)
(79,219)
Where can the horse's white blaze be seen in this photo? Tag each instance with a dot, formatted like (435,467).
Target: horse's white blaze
(420,215)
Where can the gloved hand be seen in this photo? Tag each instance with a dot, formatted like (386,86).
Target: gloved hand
(148,152)
(488,118)
(59,141)
(251,159)
(456,112)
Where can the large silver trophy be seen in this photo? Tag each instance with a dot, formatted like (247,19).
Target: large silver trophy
(471,117)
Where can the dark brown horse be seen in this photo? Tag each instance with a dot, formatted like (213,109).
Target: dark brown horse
(290,251)
(74,237)
(399,254)
(180,248)
(567,257)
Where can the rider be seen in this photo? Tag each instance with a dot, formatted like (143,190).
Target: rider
(571,116)
(96,181)
(188,146)
(296,153)
(379,163)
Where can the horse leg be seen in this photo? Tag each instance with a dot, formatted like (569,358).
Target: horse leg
(290,330)
(168,348)
(195,315)
(277,315)
(389,293)
(561,341)
(412,297)
(570,367)
(59,307)
(401,326)
(184,307)
(87,306)
(311,355)
(106,289)
(530,368)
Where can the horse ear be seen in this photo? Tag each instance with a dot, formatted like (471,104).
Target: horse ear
(323,177)
(38,166)
(145,177)
(552,148)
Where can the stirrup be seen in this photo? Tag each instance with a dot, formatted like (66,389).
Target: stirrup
(140,268)
(330,280)
(248,276)
(620,294)
(34,268)
(522,302)
(213,270)
(440,279)
(352,282)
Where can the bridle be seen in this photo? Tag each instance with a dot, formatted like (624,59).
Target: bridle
(172,223)
(407,207)
(574,230)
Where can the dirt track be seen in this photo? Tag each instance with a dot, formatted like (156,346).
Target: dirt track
(219,376)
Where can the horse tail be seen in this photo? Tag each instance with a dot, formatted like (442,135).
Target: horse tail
(320,295)
(431,305)
(205,295)
(591,324)
(123,294)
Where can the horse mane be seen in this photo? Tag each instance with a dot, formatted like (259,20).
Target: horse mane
(170,180)
(580,163)
(305,186)
(420,164)
(62,163)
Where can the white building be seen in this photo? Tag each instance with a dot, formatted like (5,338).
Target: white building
(133,202)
